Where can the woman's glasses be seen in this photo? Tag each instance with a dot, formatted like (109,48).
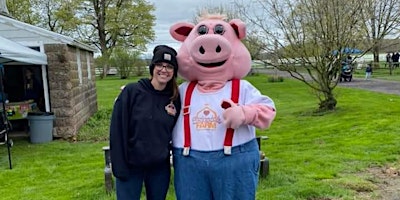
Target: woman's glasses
(160,66)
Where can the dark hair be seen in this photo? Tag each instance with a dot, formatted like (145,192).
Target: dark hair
(173,85)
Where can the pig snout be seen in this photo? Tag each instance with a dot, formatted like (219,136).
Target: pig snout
(211,50)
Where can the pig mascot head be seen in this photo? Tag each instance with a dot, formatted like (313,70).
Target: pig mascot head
(212,50)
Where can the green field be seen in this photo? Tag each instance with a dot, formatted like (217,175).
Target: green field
(312,156)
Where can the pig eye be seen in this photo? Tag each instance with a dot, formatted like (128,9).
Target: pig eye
(219,29)
(202,30)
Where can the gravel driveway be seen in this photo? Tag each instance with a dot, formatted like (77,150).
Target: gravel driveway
(389,87)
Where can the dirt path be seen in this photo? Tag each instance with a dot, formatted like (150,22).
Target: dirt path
(386,179)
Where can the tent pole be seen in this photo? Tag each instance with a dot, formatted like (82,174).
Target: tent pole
(9,143)
(4,116)
(45,88)
(45,81)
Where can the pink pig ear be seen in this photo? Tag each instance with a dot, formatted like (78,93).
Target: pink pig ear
(240,28)
(181,30)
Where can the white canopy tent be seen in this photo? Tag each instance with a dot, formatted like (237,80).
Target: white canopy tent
(13,53)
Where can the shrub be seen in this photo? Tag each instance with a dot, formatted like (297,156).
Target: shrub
(273,79)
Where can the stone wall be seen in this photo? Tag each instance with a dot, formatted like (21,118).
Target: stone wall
(72,100)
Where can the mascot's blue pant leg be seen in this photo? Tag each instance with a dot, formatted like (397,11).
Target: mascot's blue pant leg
(214,176)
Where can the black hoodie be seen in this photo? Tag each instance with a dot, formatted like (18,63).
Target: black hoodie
(141,128)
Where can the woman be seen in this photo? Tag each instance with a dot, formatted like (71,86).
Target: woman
(143,117)
(33,89)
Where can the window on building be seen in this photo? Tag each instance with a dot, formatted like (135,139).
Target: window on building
(88,65)
(78,61)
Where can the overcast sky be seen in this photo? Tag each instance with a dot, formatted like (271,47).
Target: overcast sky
(169,12)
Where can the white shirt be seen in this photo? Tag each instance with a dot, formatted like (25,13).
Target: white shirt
(205,118)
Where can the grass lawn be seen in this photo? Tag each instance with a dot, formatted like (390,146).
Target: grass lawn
(312,156)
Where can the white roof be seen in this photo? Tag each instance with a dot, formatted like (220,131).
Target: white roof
(28,34)
(12,53)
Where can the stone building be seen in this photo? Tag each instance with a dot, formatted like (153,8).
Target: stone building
(68,78)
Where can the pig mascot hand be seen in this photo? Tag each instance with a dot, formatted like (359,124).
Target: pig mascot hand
(233,115)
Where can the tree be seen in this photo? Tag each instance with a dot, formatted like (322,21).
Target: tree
(254,45)
(3,7)
(306,37)
(105,24)
(22,10)
(117,23)
(126,62)
(59,16)
(382,19)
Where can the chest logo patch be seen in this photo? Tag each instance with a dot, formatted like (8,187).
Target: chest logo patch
(206,119)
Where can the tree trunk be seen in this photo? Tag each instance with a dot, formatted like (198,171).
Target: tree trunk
(376,56)
(3,8)
(327,104)
(105,70)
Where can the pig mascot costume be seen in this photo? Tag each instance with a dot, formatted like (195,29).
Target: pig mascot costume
(215,151)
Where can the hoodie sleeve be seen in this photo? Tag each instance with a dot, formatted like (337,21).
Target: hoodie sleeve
(119,134)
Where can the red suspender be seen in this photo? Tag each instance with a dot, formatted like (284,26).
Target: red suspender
(186,112)
(229,131)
